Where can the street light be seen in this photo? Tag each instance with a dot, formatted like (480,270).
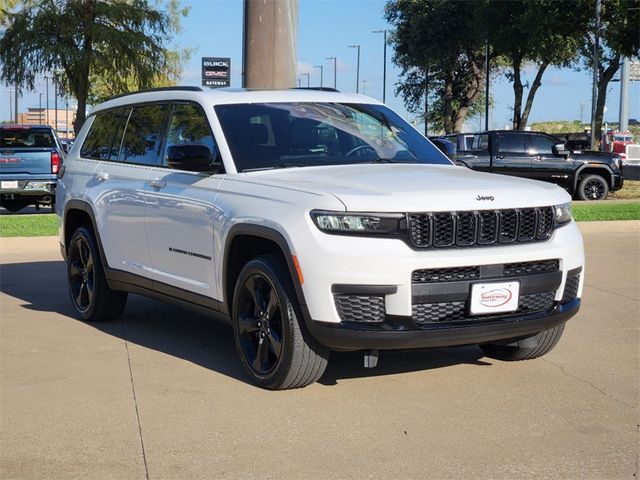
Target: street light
(357,68)
(40,110)
(321,74)
(302,75)
(384,65)
(335,71)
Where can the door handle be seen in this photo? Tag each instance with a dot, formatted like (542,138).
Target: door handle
(158,183)
(537,159)
(101,176)
(499,157)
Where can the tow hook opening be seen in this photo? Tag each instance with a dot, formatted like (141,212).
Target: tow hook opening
(371,358)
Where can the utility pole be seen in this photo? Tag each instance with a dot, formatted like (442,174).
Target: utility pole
(269,44)
(307,75)
(15,99)
(623,124)
(40,109)
(357,68)
(55,102)
(384,65)
(486,87)
(594,92)
(335,71)
(321,74)
(11,106)
(46,82)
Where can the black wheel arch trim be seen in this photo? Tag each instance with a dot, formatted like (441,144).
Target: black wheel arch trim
(602,166)
(266,233)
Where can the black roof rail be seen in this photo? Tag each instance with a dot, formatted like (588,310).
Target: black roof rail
(322,89)
(187,88)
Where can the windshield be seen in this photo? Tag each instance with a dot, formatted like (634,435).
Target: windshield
(20,137)
(281,135)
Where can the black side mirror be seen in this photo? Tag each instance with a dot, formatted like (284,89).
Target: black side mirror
(194,157)
(445,146)
(560,150)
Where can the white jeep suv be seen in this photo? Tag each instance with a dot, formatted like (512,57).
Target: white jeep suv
(311,221)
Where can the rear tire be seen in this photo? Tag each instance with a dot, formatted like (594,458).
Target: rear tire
(91,296)
(547,339)
(274,347)
(593,187)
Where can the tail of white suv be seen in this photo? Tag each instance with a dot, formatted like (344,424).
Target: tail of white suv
(311,221)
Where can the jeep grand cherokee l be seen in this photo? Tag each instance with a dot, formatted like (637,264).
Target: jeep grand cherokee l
(311,221)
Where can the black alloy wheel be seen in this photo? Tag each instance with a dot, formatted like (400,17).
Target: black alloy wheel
(82,275)
(593,187)
(260,325)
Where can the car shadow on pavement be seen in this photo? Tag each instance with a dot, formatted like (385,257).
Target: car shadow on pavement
(196,338)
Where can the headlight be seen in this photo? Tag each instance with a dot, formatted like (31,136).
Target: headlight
(617,160)
(357,223)
(562,213)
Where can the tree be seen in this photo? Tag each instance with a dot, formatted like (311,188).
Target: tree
(445,39)
(117,39)
(618,38)
(537,33)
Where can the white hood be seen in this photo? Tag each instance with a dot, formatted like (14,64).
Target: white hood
(415,188)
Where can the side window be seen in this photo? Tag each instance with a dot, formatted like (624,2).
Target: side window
(99,141)
(511,143)
(541,144)
(143,134)
(190,136)
(480,142)
(119,123)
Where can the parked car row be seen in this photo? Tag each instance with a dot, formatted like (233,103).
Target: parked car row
(587,175)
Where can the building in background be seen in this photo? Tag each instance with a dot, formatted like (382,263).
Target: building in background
(42,116)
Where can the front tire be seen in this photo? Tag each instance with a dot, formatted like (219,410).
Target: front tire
(593,187)
(91,296)
(546,340)
(274,347)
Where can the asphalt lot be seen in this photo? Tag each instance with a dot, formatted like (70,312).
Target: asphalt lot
(162,394)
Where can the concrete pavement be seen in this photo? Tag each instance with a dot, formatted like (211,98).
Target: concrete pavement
(161,394)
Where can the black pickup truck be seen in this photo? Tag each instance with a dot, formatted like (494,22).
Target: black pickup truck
(586,175)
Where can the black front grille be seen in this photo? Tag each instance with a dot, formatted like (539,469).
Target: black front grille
(445,312)
(571,289)
(452,274)
(360,308)
(531,268)
(488,227)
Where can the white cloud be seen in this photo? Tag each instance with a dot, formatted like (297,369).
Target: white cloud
(557,81)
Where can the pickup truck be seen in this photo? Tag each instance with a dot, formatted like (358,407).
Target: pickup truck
(586,175)
(30,158)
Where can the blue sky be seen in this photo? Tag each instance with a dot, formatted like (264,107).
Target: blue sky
(327,27)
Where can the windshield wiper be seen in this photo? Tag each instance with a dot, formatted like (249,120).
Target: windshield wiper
(274,167)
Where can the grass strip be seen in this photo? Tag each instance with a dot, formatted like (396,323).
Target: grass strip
(591,212)
(28,225)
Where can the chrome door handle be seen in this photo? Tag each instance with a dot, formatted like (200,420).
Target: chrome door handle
(101,176)
(158,183)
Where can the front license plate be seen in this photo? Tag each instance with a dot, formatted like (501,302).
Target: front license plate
(9,185)
(494,297)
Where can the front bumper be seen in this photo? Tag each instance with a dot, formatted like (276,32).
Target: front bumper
(405,333)
(618,182)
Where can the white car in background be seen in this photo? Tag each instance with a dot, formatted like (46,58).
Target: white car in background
(311,221)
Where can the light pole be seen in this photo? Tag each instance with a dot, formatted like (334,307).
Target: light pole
(384,65)
(364,87)
(11,106)
(357,68)
(335,71)
(40,109)
(594,92)
(321,73)
(307,74)
(46,82)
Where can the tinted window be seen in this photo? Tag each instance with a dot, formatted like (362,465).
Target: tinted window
(480,142)
(513,143)
(541,144)
(189,127)
(103,140)
(21,137)
(279,135)
(143,135)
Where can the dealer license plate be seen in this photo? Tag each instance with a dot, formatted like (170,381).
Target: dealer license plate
(494,297)
(9,185)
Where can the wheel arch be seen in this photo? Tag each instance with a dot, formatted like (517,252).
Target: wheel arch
(594,169)
(78,213)
(246,241)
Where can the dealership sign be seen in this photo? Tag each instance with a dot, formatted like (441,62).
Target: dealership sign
(216,71)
